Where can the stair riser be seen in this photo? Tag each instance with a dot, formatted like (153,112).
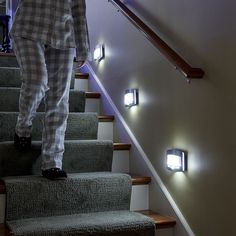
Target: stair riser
(92,105)
(139,196)
(81,84)
(120,161)
(105,131)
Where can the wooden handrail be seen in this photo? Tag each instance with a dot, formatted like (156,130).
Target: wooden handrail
(169,53)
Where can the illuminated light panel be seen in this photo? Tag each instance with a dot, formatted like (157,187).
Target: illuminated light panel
(176,160)
(98,53)
(131,97)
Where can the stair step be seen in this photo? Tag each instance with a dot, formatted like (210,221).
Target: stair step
(79,101)
(79,193)
(136,180)
(104,131)
(161,222)
(11,75)
(124,222)
(94,155)
(139,197)
(80,126)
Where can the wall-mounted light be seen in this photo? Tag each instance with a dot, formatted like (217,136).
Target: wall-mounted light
(131,97)
(99,52)
(176,160)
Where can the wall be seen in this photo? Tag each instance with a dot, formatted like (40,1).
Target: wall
(199,117)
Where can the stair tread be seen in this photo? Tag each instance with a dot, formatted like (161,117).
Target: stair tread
(161,221)
(79,75)
(92,95)
(140,180)
(106,118)
(136,180)
(122,146)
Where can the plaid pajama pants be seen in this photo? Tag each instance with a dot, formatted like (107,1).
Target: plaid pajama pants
(46,74)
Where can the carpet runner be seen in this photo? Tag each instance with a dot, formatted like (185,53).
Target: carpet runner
(91,201)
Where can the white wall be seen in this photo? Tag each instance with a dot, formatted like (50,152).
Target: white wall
(199,117)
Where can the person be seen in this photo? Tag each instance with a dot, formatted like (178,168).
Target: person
(44,37)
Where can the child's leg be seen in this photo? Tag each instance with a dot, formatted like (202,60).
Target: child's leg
(59,66)
(30,56)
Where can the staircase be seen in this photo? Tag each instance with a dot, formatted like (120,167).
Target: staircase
(98,198)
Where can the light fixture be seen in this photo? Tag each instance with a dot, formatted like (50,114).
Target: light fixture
(99,52)
(131,97)
(176,160)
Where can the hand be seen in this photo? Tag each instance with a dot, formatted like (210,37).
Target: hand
(80,64)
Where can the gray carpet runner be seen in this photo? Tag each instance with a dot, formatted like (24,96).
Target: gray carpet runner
(110,223)
(79,193)
(79,156)
(9,100)
(92,201)
(11,77)
(79,126)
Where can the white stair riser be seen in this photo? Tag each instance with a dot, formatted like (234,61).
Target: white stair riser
(105,131)
(139,200)
(81,84)
(92,105)
(120,163)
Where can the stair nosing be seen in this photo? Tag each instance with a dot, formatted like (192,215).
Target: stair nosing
(92,95)
(161,221)
(79,75)
(122,146)
(106,118)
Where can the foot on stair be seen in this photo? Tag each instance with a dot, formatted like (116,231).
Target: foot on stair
(54,174)
(23,144)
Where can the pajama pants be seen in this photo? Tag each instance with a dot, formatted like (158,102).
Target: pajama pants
(46,74)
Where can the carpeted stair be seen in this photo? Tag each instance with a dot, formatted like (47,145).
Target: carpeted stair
(91,201)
